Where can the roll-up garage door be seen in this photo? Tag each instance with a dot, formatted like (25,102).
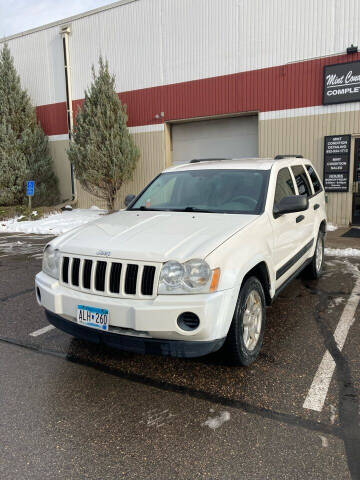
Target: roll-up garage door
(222,138)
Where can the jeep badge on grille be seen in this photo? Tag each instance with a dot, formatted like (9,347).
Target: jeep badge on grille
(104,253)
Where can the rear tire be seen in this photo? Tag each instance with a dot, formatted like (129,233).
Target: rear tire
(246,333)
(314,270)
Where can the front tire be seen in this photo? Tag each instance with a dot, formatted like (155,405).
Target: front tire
(314,270)
(246,332)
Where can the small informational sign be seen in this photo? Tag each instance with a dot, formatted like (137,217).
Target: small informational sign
(30,188)
(341,83)
(357,161)
(337,163)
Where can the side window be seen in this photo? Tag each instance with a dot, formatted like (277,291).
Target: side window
(302,181)
(284,185)
(314,178)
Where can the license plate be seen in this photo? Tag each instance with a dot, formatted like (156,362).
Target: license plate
(93,317)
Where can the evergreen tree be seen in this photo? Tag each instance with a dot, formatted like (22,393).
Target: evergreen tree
(13,167)
(24,152)
(103,152)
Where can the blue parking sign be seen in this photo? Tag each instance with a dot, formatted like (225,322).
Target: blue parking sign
(30,187)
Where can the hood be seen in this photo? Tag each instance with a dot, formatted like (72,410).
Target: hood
(153,236)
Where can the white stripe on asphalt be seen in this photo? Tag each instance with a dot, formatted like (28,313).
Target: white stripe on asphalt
(41,331)
(317,394)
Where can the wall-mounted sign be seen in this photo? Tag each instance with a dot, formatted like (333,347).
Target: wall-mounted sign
(341,83)
(337,163)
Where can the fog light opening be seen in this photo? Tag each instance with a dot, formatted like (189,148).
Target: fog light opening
(38,294)
(188,321)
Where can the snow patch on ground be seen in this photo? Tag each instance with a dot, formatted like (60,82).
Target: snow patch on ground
(216,422)
(331,228)
(347,266)
(342,252)
(53,224)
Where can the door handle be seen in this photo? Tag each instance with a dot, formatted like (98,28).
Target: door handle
(300,218)
(316,206)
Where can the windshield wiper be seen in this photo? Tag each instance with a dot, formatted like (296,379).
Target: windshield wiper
(148,209)
(193,209)
(186,209)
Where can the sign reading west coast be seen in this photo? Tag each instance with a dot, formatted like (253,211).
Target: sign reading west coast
(341,83)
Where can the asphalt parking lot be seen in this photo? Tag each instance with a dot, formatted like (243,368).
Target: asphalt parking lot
(73,410)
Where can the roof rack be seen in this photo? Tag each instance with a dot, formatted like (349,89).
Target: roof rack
(280,157)
(197,160)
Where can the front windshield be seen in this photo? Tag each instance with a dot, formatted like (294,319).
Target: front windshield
(213,191)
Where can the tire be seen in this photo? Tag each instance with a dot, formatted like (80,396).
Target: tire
(314,270)
(240,348)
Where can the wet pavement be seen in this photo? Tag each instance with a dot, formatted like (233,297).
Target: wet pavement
(73,410)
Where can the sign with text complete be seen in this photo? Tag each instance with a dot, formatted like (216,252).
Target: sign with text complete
(337,163)
(341,83)
(30,188)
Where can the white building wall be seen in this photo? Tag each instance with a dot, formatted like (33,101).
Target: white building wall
(39,61)
(155,42)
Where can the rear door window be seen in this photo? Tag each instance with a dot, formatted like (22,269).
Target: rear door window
(314,178)
(302,180)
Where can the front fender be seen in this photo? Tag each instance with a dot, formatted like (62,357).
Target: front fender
(242,252)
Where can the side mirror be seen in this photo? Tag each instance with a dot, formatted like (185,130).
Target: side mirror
(295,203)
(129,199)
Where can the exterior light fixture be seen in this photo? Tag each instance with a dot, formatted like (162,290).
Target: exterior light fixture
(352,49)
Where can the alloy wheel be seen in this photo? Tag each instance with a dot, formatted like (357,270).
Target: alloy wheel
(252,320)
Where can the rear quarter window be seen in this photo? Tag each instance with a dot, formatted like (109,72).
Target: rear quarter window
(314,178)
(302,180)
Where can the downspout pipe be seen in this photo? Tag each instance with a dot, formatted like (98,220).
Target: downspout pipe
(65,32)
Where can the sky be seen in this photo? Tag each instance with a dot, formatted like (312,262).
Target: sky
(19,15)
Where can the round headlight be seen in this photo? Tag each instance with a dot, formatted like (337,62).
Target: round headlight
(172,274)
(197,273)
(51,261)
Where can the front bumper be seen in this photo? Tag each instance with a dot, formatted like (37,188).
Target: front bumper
(151,319)
(173,348)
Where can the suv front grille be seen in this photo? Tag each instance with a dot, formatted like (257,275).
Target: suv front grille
(100,276)
(147,281)
(104,277)
(75,272)
(86,273)
(115,275)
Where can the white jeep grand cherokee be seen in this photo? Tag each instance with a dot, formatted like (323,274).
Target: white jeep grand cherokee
(192,262)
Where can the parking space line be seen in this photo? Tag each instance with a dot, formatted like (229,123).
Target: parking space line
(316,396)
(41,331)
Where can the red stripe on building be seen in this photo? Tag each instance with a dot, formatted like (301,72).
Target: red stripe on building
(294,85)
(53,118)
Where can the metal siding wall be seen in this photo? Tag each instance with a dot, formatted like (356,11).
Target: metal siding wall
(305,135)
(39,61)
(159,42)
(128,36)
(152,161)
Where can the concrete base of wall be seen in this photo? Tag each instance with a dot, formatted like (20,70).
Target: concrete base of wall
(62,167)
